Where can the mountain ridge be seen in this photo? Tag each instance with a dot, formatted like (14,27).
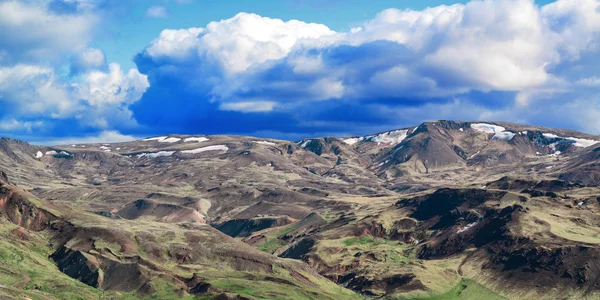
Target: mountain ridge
(406,213)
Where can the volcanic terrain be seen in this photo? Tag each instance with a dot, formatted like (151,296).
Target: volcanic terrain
(442,210)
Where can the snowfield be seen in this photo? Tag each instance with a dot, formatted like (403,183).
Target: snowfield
(487,128)
(394,137)
(196,139)
(164,139)
(391,137)
(208,148)
(500,133)
(351,141)
(305,143)
(504,136)
(156,154)
(582,143)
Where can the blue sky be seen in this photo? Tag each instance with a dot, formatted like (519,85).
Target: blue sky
(125,36)
(110,70)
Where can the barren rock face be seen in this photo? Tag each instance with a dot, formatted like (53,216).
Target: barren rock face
(408,213)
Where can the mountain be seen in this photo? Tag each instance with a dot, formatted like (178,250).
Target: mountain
(450,209)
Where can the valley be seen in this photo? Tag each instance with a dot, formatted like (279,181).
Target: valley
(441,210)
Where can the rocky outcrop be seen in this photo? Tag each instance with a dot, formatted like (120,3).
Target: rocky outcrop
(79,265)
(244,228)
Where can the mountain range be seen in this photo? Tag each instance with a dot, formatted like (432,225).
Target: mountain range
(442,210)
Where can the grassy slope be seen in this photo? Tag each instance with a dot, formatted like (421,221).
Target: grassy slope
(467,290)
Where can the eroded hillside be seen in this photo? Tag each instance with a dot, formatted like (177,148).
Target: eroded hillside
(444,209)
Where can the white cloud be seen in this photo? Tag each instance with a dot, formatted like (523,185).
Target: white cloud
(100,88)
(34,90)
(29,31)
(97,99)
(175,44)
(577,24)
(90,58)
(157,11)
(491,45)
(240,42)
(249,106)
(14,125)
(109,136)
(593,81)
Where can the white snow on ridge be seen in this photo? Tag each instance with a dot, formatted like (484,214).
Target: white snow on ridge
(156,154)
(467,227)
(551,135)
(164,139)
(487,128)
(500,133)
(582,143)
(266,143)
(55,153)
(196,139)
(305,143)
(351,141)
(170,140)
(39,154)
(158,138)
(207,148)
(504,136)
(391,137)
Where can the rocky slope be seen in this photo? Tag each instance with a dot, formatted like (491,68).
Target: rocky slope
(486,209)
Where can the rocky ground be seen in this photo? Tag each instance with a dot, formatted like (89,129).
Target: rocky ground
(443,210)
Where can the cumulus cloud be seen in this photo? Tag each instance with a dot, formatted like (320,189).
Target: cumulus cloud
(493,59)
(113,87)
(493,55)
(89,59)
(483,45)
(40,39)
(28,31)
(109,136)
(27,126)
(249,106)
(98,99)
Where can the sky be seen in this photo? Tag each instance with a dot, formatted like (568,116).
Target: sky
(114,70)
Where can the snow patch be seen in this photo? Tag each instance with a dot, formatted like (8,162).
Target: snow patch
(305,143)
(164,139)
(504,136)
(467,227)
(266,143)
(461,129)
(583,143)
(55,153)
(39,154)
(351,141)
(170,140)
(577,142)
(487,128)
(158,138)
(208,148)
(156,154)
(196,139)
(391,137)
(474,155)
